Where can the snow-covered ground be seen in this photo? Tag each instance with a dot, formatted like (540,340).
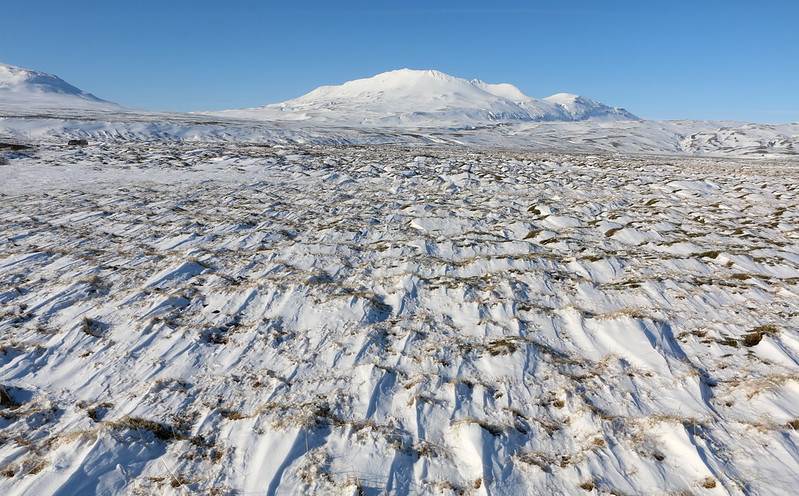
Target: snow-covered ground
(205,314)
(706,138)
(343,294)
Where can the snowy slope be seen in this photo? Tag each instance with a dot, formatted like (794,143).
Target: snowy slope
(25,89)
(407,97)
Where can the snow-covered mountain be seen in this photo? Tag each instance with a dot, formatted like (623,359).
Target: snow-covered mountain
(580,108)
(428,97)
(28,89)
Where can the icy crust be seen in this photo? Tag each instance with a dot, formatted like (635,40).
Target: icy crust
(229,319)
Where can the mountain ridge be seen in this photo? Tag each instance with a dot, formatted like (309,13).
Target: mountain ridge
(418,97)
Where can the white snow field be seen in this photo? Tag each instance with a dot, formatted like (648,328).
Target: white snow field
(194,304)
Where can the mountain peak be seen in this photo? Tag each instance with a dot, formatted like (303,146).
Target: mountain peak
(585,108)
(418,73)
(21,87)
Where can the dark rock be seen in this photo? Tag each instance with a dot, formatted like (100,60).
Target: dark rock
(12,397)
(14,146)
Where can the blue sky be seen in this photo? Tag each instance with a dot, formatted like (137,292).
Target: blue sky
(659,59)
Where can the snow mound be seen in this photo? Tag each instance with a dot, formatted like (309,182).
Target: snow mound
(425,98)
(29,89)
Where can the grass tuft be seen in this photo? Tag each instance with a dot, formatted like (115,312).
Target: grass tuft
(754,336)
(164,432)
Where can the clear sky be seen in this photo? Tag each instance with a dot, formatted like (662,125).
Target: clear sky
(700,59)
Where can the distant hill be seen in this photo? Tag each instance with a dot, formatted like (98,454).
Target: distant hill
(28,89)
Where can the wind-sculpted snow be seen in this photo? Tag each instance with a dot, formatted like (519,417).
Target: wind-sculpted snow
(214,318)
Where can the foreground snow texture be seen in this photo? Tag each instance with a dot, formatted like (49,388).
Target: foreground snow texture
(231,319)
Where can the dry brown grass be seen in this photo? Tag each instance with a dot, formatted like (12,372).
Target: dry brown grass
(164,432)
(709,483)
(754,336)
